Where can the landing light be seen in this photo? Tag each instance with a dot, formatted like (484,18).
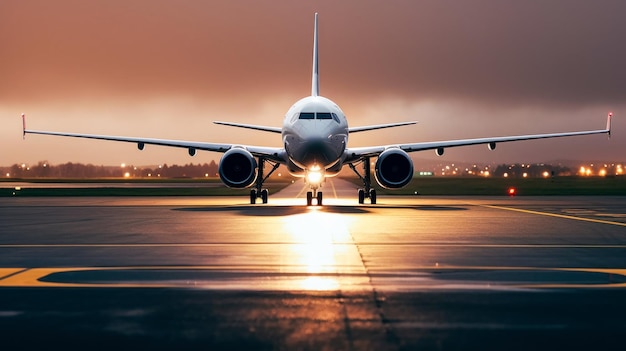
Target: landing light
(314,177)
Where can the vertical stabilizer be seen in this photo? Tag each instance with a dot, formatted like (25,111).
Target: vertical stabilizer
(315,84)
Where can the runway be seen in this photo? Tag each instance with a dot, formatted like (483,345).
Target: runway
(407,273)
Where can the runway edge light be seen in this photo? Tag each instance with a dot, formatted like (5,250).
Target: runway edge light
(512,191)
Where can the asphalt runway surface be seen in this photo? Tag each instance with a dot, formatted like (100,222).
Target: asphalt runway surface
(428,273)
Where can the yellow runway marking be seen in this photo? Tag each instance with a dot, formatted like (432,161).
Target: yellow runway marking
(556,215)
(5,272)
(32,277)
(609,271)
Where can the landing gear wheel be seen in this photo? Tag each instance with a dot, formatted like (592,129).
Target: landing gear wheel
(373,196)
(361,196)
(319,198)
(309,198)
(261,177)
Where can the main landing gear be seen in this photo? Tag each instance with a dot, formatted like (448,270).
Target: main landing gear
(367,192)
(258,191)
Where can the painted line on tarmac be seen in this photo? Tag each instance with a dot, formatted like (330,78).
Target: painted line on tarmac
(555,215)
(289,281)
(7,272)
(609,271)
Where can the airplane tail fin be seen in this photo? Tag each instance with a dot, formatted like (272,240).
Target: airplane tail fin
(608,123)
(315,84)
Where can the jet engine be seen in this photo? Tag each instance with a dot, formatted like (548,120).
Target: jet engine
(237,168)
(394,169)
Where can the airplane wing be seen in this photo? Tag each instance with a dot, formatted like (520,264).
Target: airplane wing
(356,154)
(271,153)
(379,126)
(250,126)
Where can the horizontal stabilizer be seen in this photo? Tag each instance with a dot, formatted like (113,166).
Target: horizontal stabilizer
(379,126)
(250,126)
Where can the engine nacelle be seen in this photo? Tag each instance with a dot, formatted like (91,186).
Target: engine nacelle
(394,169)
(237,168)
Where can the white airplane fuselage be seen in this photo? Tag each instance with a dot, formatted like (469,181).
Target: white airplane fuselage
(315,136)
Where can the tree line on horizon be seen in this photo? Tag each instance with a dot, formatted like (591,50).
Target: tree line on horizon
(44,169)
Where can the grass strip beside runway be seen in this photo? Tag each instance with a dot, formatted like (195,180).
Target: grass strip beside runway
(446,186)
(483,186)
(113,190)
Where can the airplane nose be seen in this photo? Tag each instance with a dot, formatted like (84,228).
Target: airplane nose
(318,151)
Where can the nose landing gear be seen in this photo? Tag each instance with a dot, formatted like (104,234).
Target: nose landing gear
(314,194)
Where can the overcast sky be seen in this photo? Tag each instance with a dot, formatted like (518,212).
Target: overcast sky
(167,69)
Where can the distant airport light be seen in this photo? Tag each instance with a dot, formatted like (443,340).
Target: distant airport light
(603,172)
(512,191)
(546,174)
(127,175)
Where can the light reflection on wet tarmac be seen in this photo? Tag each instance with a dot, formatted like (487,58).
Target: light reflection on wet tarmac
(408,272)
(338,246)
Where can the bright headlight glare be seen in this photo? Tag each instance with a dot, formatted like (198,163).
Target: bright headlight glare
(314,177)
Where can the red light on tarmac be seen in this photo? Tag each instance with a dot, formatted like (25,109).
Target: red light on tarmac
(512,191)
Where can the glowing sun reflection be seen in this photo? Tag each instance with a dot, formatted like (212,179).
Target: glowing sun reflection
(319,247)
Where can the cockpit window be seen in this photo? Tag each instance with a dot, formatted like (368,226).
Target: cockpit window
(324,115)
(307,115)
(319,115)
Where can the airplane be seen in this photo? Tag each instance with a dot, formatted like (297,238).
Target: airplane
(315,146)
